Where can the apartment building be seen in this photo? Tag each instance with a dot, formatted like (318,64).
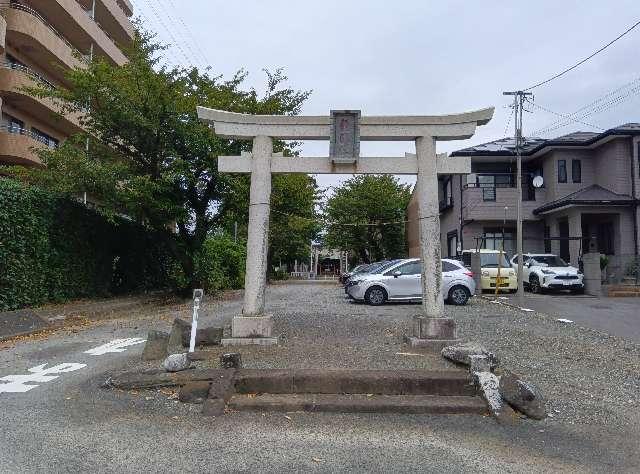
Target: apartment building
(590,192)
(39,39)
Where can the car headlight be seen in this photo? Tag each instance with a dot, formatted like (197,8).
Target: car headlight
(548,272)
(485,274)
(356,282)
(512,273)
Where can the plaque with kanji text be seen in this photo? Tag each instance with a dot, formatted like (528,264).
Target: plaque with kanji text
(344,145)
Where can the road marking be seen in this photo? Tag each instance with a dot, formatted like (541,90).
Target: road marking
(566,321)
(17,383)
(117,345)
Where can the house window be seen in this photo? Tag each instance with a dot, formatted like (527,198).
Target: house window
(576,171)
(452,244)
(547,242)
(562,171)
(493,239)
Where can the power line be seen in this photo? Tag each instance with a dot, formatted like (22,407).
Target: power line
(591,105)
(162,23)
(597,107)
(190,33)
(564,116)
(583,60)
(172,21)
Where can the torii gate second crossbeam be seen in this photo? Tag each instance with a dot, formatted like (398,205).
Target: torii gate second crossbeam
(344,129)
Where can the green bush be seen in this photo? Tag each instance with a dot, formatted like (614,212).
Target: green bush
(220,264)
(55,249)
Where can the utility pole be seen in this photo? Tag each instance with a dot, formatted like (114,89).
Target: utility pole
(518,101)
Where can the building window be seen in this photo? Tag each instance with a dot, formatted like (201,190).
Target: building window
(44,138)
(493,239)
(562,171)
(447,194)
(488,194)
(576,171)
(547,241)
(452,244)
(14,125)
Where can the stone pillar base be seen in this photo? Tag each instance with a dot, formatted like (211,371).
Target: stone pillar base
(433,345)
(432,333)
(246,330)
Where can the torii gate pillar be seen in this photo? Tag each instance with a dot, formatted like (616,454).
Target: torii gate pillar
(344,129)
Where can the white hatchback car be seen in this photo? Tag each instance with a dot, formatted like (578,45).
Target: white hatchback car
(545,271)
(403,282)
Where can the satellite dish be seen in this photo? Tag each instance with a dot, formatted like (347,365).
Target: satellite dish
(538,182)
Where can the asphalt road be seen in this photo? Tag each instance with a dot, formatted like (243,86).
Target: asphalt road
(69,424)
(616,316)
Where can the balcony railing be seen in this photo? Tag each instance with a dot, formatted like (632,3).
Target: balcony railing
(13,129)
(36,14)
(29,72)
(489,182)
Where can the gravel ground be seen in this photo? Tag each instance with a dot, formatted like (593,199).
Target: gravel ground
(590,379)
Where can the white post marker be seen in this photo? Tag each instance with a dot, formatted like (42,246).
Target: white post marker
(17,383)
(197,299)
(117,345)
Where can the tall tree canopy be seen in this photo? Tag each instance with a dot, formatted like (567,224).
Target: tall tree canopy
(148,156)
(365,216)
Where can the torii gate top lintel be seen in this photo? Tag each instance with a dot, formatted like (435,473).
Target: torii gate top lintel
(372,128)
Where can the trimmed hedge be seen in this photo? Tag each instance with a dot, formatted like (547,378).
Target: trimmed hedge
(55,249)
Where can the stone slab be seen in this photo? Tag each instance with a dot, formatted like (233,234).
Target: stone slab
(194,392)
(359,403)
(433,345)
(385,382)
(248,341)
(251,327)
(213,407)
(156,346)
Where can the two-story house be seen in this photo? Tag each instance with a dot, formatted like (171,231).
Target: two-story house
(591,188)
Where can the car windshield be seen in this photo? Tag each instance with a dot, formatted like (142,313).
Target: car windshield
(385,265)
(550,260)
(492,260)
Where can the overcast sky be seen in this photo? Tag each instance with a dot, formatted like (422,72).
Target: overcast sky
(417,56)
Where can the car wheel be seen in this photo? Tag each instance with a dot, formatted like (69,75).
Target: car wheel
(375,296)
(579,291)
(459,295)
(534,284)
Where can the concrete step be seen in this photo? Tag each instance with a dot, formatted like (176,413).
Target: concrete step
(358,403)
(346,381)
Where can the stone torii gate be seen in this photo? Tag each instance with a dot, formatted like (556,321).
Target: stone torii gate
(344,129)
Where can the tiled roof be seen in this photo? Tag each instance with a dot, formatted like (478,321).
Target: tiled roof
(506,146)
(593,194)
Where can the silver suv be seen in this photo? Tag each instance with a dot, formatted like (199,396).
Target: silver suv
(402,281)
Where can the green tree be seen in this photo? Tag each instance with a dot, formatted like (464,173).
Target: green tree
(293,222)
(365,216)
(149,157)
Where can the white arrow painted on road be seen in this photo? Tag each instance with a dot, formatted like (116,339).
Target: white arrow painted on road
(17,383)
(117,345)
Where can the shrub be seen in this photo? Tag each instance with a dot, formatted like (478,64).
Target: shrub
(220,264)
(55,249)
